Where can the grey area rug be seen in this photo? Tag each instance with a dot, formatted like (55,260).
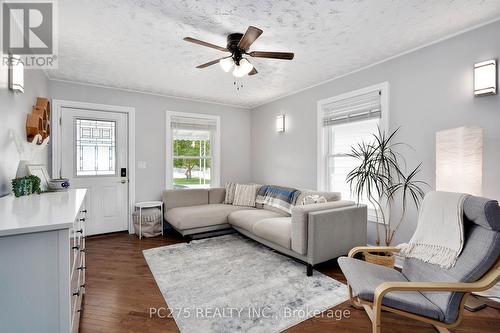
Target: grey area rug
(233,284)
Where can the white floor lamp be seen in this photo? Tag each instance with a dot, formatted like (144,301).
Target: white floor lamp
(459,160)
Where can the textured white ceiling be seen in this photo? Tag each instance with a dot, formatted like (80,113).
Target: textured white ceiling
(137,44)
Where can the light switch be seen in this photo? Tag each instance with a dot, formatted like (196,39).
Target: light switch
(141,164)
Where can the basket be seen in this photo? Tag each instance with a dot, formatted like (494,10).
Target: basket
(386,260)
(151,222)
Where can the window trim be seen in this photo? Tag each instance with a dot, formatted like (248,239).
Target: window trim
(322,177)
(215,174)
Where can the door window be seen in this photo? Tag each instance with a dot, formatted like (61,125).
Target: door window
(95,147)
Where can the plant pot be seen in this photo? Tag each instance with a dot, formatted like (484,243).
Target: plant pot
(384,258)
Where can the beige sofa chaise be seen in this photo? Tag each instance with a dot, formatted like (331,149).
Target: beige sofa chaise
(312,233)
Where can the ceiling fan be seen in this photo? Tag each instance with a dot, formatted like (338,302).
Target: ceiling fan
(238,45)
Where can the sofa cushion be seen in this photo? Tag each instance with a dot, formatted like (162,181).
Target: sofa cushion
(245,218)
(365,277)
(275,230)
(184,197)
(216,195)
(299,221)
(274,209)
(189,217)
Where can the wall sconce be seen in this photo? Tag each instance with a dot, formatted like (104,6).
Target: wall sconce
(485,78)
(459,160)
(16,73)
(280,123)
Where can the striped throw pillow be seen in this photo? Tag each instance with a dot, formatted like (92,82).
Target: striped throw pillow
(230,189)
(245,195)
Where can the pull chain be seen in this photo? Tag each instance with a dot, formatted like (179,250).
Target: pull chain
(237,84)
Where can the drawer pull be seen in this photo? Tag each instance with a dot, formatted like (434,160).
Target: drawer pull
(82,250)
(83,211)
(79,310)
(82,286)
(77,293)
(82,219)
(82,268)
(76,247)
(80,231)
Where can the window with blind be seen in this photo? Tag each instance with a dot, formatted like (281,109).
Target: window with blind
(343,122)
(192,162)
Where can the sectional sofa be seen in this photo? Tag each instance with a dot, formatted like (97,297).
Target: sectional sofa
(312,233)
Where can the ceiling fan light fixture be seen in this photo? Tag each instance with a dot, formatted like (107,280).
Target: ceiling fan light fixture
(226,64)
(243,68)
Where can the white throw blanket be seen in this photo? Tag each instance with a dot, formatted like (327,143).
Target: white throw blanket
(439,237)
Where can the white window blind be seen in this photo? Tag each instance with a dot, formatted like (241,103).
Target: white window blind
(352,109)
(191,123)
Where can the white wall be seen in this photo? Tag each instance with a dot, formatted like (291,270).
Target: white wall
(150,131)
(14,108)
(430,90)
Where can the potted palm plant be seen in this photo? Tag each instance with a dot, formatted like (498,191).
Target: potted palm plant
(380,178)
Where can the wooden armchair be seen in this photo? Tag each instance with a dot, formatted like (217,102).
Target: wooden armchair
(424,291)
(375,307)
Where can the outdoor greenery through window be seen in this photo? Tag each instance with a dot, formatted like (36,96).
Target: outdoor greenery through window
(192,152)
(192,163)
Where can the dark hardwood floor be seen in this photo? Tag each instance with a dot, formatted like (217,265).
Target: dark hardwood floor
(121,290)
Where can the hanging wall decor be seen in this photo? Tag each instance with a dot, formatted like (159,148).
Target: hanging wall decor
(38,121)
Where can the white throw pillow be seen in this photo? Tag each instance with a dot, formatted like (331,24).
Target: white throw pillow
(244,195)
(312,199)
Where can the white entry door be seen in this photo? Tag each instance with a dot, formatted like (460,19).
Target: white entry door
(94,146)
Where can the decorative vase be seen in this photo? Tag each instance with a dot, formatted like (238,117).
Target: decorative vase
(60,184)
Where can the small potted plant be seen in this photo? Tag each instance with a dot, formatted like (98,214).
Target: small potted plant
(26,185)
(380,178)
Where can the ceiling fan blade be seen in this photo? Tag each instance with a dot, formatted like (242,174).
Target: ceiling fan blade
(273,55)
(249,37)
(200,42)
(210,63)
(253,72)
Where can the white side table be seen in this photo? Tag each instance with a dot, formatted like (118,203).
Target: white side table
(148,204)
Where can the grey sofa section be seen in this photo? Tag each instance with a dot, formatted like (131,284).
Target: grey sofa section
(247,218)
(193,211)
(190,217)
(321,231)
(216,195)
(300,216)
(480,252)
(276,230)
(333,233)
(182,198)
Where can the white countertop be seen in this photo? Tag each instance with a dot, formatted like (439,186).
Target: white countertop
(39,212)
